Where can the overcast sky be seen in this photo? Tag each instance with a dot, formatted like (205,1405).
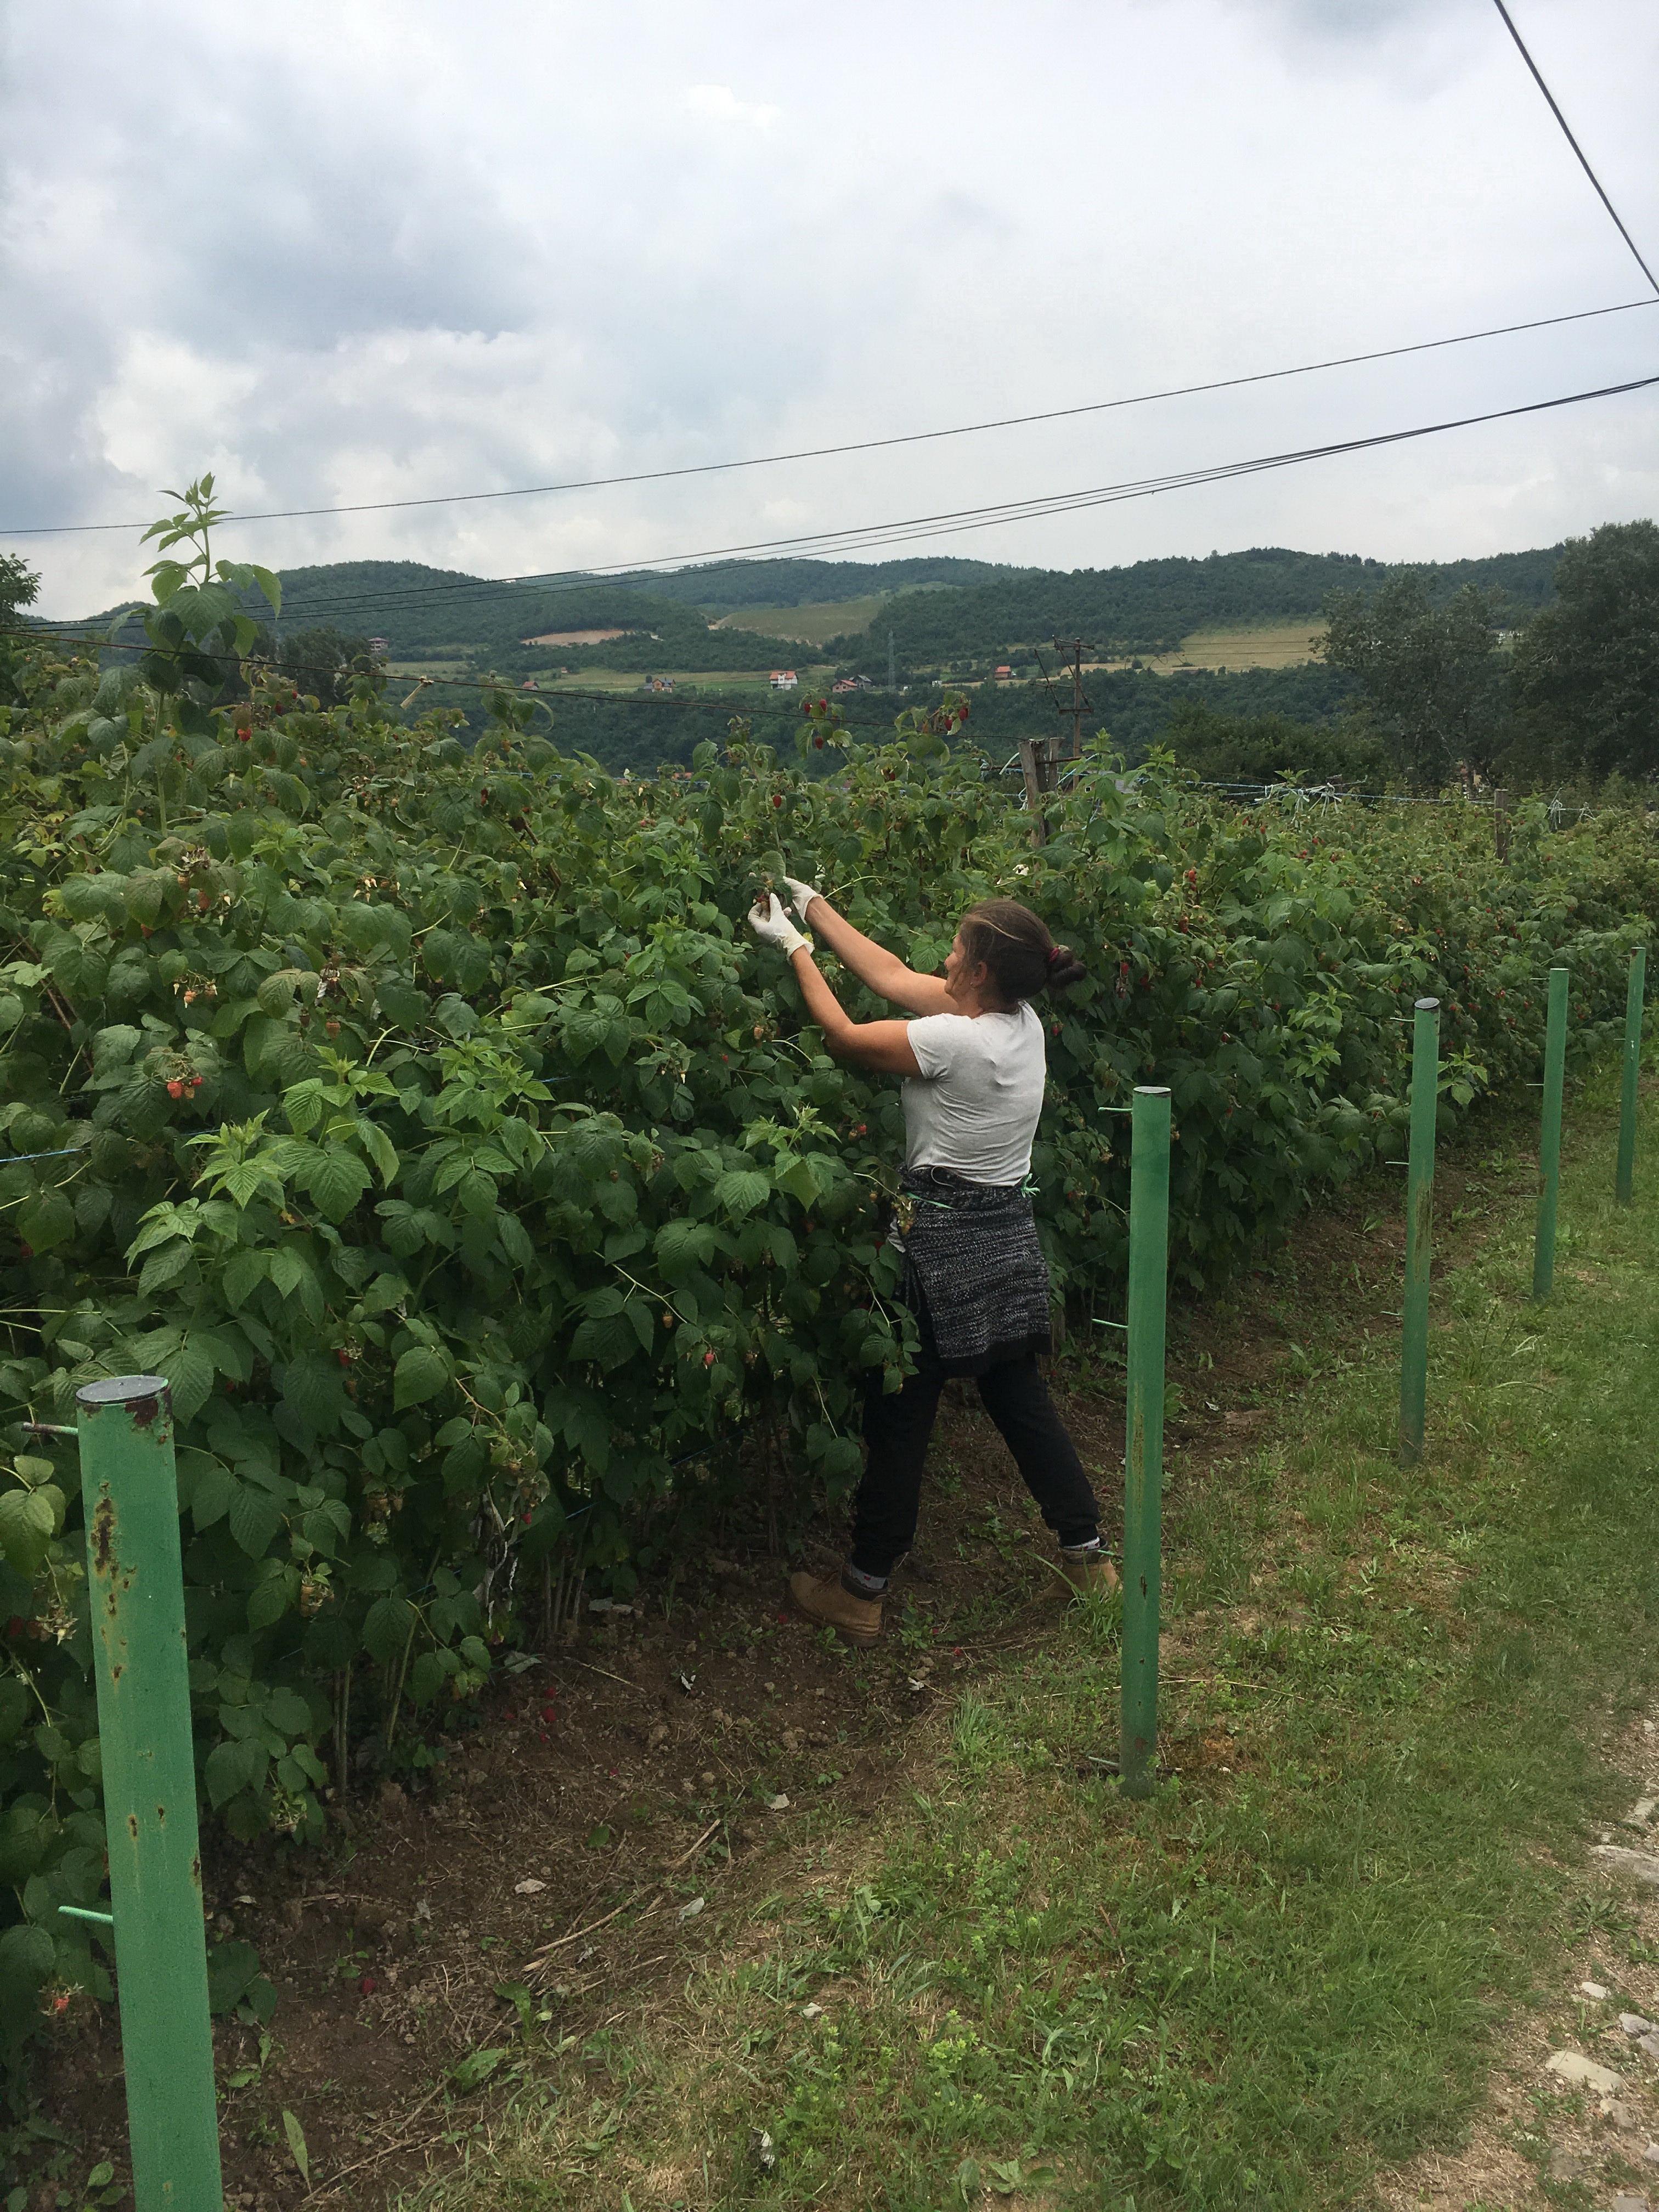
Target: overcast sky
(358,250)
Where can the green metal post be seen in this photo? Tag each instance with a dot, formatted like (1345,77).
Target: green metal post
(1143,1501)
(136,1589)
(1549,1143)
(1419,1232)
(1625,1181)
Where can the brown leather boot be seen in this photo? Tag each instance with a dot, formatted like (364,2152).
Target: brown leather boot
(823,1599)
(1088,1578)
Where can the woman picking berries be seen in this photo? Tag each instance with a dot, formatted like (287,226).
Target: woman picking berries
(974,1068)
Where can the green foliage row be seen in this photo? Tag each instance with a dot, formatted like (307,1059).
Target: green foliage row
(429,1118)
(1149,607)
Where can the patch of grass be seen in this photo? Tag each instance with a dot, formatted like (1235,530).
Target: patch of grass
(1384,1691)
(815,623)
(1256,645)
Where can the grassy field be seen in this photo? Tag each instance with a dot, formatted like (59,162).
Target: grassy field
(814,624)
(1284,1974)
(1261,645)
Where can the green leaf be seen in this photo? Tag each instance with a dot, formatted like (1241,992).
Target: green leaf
(287,1268)
(296,2143)
(211,1499)
(267,1601)
(232,1971)
(607,1338)
(47,1220)
(477,1193)
(16,1706)
(419,1375)
(683,1246)
(26,1957)
(338,1179)
(740,1190)
(315,1388)
(386,1628)
(288,1711)
(29,1521)
(255,1518)
(231,1766)
(246,1271)
(380,1148)
(475,2069)
(189,1370)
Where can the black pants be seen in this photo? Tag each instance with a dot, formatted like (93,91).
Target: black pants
(896,1427)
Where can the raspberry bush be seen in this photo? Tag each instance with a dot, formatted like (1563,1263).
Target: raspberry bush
(426,1114)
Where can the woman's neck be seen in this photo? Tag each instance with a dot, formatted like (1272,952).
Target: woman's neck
(974,1003)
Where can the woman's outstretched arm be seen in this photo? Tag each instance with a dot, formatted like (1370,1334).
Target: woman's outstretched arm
(873,965)
(883,1047)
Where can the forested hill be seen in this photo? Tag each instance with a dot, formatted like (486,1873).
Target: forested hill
(1149,607)
(943,612)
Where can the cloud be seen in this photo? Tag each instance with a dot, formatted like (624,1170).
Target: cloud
(344,255)
(721,105)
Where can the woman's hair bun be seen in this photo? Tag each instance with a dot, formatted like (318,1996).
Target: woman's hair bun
(1065,968)
(1017,949)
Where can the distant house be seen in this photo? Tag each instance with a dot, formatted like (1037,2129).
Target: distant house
(845,683)
(530,685)
(785,679)
(380,648)
(1003,673)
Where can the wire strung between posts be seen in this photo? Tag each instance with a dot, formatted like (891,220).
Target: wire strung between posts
(1567,128)
(874,444)
(955,521)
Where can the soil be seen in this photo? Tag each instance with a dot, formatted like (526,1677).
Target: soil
(677,1749)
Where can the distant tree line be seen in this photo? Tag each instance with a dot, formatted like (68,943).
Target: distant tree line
(1148,607)
(1454,692)
(1535,670)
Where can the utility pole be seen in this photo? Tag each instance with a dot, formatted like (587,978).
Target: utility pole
(1072,650)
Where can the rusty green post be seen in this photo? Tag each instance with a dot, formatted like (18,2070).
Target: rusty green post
(136,1591)
(1624,1188)
(1549,1142)
(1419,1232)
(1142,1495)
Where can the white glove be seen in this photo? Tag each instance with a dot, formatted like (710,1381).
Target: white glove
(802,895)
(773,926)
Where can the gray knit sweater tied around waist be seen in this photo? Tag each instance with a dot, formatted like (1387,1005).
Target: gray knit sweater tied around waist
(971,1251)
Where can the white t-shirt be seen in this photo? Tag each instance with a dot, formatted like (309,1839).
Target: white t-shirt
(975,1109)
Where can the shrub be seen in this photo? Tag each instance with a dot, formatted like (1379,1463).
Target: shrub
(430,1119)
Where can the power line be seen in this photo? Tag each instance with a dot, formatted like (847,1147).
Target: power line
(1584,161)
(951,522)
(873,445)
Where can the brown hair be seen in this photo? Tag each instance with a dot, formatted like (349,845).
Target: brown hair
(1019,955)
